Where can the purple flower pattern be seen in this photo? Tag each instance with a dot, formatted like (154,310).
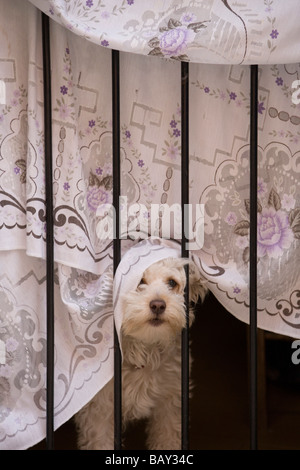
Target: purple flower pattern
(63,90)
(274,234)
(240,101)
(276,228)
(11,344)
(261,187)
(288,202)
(261,108)
(172,152)
(100,190)
(97,196)
(271,43)
(231,218)
(274,34)
(236,290)
(148,189)
(64,111)
(174,39)
(14,102)
(172,149)
(174,42)
(65,104)
(188,18)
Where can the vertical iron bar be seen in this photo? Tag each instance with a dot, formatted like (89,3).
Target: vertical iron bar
(49,233)
(184,250)
(253,254)
(116,242)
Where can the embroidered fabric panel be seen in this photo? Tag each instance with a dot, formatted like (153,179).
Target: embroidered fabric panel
(150,169)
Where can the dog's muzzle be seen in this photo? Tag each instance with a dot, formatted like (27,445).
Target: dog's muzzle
(157,307)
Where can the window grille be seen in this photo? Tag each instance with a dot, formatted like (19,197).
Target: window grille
(116,245)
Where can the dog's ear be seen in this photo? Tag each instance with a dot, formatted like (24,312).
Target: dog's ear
(197,285)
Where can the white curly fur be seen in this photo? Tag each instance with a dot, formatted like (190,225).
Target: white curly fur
(151,369)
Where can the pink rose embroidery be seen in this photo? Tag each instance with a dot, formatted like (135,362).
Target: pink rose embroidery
(274,234)
(231,218)
(97,196)
(175,41)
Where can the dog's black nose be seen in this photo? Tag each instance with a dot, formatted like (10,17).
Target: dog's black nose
(157,306)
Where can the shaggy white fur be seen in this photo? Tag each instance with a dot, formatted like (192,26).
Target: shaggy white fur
(153,318)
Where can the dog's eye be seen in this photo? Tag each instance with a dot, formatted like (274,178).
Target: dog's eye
(142,281)
(172,283)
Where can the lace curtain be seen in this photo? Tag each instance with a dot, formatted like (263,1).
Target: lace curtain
(219,39)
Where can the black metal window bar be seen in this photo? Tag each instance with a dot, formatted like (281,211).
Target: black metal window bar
(117,249)
(49,233)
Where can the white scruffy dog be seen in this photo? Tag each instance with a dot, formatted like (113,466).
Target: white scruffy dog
(153,318)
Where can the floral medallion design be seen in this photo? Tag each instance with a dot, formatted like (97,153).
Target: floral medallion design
(276,226)
(99,191)
(227,226)
(176,37)
(19,328)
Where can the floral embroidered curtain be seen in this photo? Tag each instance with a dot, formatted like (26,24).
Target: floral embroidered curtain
(219,39)
(205,32)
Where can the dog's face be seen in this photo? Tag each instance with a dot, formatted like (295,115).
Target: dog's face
(155,311)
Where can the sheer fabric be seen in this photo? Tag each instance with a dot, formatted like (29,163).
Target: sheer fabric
(220,41)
